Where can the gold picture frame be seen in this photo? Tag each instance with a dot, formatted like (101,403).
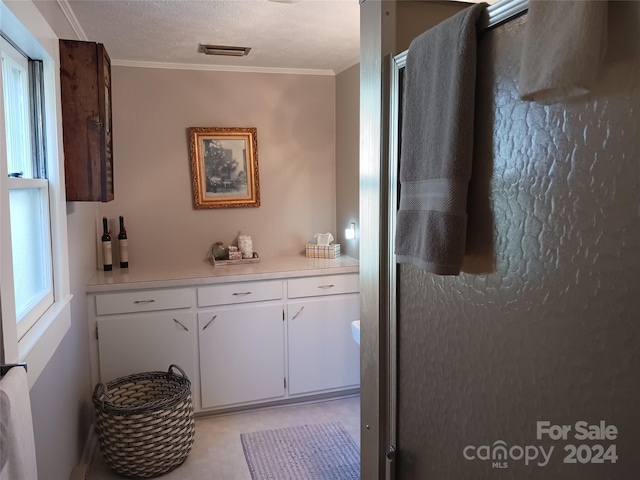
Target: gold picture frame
(224,167)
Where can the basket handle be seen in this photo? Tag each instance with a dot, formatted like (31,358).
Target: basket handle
(104,387)
(179,369)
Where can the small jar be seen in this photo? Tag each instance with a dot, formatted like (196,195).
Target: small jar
(219,251)
(245,245)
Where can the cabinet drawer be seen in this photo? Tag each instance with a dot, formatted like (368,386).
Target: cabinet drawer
(324,285)
(142,301)
(230,293)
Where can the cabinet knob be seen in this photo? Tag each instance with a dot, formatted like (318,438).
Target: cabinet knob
(95,121)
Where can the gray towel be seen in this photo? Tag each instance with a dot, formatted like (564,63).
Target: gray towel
(564,45)
(437,144)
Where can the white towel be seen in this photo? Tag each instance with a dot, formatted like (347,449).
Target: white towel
(564,45)
(17,445)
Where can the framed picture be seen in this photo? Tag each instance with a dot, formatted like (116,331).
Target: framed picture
(224,167)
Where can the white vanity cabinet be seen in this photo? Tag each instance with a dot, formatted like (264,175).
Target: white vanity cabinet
(145,331)
(266,333)
(322,353)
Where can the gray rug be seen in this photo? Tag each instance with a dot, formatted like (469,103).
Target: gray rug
(323,451)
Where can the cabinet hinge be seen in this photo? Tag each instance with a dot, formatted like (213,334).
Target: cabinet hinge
(96,332)
(285,383)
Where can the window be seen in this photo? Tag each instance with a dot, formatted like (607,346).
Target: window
(34,260)
(28,189)
(16,109)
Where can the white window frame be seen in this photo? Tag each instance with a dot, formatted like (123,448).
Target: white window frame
(38,306)
(26,320)
(27,28)
(11,56)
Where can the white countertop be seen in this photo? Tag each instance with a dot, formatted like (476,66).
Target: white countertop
(162,276)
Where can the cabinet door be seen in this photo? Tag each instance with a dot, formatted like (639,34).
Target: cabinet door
(241,355)
(146,343)
(322,352)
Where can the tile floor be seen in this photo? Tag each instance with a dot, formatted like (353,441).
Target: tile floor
(217,452)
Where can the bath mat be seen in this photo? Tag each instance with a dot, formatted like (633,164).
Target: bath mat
(322,451)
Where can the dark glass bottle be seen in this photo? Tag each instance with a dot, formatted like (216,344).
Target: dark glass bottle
(123,244)
(107,257)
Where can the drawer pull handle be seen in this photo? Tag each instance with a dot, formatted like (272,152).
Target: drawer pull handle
(144,301)
(241,294)
(209,323)
(296,315)
(180,323)
(331,285)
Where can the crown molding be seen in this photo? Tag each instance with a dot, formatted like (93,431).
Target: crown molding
(71,17)
(219,68)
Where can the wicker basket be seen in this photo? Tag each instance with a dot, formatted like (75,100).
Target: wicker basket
(145,422)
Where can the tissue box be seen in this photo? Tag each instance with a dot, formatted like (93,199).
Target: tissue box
(323,251)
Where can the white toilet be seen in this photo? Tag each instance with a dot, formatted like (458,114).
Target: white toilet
(355,331)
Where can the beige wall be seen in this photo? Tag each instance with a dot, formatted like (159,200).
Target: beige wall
(61,397)
(413,18)
(152,109)
(347,157)
(56,19)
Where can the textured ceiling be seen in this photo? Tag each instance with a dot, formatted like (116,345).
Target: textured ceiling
(309,34)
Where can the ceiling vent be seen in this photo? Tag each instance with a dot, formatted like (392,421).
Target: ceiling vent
(223,50)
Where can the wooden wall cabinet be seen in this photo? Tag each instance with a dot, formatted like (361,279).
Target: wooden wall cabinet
(85,83)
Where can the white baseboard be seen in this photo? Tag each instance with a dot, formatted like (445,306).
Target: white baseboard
(81,471)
